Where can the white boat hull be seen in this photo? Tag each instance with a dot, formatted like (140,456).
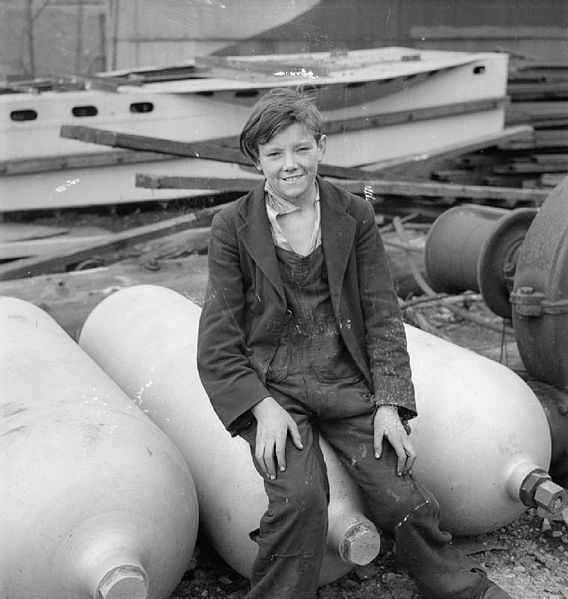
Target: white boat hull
(378,112)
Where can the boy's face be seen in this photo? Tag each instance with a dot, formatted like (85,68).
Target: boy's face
(289,161)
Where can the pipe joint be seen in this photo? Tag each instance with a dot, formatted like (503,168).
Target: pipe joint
(123,582)
(360,543)
(539,490)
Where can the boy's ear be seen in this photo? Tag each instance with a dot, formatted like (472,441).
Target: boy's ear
(322,145)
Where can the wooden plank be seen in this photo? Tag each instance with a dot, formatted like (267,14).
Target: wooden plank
(207,183)
(447,190)
(528,168)
(550,159)
(41,265)
(543,138)
(25,166)
(536,113)
(173,246)
(14,232)
(202,150)
(130,141)
(553,180)
(51,245)
(385,187)
(537,91)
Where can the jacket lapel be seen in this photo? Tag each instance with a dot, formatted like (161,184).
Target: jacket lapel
(256,236)
(337,230)
(338,235)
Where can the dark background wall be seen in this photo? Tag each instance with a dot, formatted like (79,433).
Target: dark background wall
(39,37)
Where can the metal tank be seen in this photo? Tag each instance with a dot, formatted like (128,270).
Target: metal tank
(482,436)
(518,259)
(477,247)
(145,338)
(96,502)
(540,294)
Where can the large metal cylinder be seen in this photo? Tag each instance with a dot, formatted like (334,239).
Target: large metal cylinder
(96,502)
(480,432)
(145,338)
(540,294)
(476,248)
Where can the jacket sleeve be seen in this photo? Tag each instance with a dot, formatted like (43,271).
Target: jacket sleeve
(385,336)
(231,383)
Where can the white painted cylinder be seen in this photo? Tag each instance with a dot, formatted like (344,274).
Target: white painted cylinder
(145,338)
(480,431)
(96,501)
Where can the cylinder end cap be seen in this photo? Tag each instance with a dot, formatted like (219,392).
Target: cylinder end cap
(123,582)
(361,544)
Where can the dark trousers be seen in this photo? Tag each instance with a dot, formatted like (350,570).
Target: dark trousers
(293,529)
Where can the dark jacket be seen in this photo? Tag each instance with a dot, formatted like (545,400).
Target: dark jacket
(245,306)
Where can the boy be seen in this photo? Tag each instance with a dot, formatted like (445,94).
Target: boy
(301,335)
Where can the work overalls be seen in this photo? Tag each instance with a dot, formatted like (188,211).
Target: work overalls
(315,379)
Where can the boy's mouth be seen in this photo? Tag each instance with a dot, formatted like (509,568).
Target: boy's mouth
(292,178)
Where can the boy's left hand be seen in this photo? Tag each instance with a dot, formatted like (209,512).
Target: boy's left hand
(387,424)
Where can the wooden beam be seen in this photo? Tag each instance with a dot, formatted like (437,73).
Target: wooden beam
(130,141)
(207,183)
(543,138)
(28,166)
(28,267)
(445,190)
(378,187)
(538,91)
(202,150)
(529,168)
(10,250)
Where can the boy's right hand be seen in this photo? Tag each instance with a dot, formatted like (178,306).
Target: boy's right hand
(273,425)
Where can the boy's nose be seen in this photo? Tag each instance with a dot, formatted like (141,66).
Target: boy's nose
(289,160)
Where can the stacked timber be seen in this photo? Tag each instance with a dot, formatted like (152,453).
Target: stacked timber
(538,97)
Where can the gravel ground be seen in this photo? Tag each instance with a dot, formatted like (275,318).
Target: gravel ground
(528,558)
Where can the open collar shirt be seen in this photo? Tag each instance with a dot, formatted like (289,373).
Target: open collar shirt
(277,205)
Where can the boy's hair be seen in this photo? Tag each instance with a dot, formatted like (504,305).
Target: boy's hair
(274,112)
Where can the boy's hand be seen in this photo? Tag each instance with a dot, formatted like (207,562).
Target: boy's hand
(387,424)
(273,425)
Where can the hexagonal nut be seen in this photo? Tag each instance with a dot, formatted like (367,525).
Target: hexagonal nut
(550,496)
(124,582)
(361,544)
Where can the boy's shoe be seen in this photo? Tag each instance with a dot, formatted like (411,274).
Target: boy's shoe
(495,592)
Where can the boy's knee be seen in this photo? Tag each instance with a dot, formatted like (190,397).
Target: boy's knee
(302,501)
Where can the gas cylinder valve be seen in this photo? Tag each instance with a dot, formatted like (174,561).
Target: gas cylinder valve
(539,490)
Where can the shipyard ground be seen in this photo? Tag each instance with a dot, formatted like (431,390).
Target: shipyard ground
(527,558)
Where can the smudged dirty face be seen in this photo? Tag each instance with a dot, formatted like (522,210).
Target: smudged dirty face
(289,161)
